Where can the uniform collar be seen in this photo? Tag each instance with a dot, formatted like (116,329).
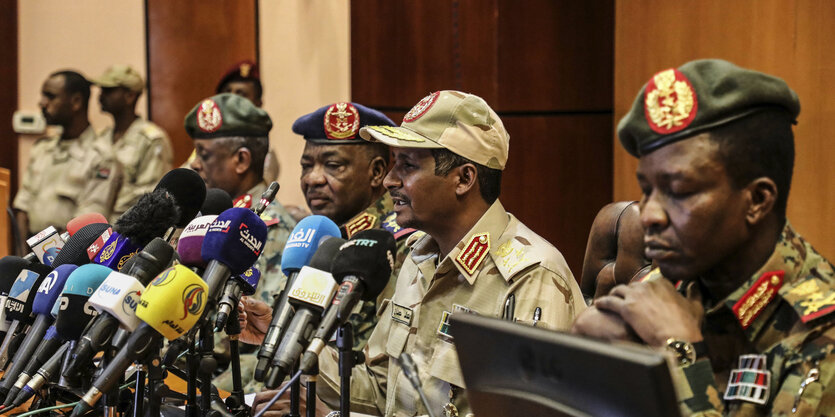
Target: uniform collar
(369,218)
(469,255)
(251,197)
(755,301)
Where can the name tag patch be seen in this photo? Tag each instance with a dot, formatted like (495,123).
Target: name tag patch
(401,314)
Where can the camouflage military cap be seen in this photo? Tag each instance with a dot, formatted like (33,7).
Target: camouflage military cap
(463,123)
(338,123)
(226,115)
(698,96)
(120,76)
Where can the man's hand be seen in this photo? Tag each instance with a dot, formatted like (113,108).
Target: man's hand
(655,311)
(255,317)
(282,406)
(601,324)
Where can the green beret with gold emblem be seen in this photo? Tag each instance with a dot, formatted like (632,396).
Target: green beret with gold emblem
(226,115)
(700,95)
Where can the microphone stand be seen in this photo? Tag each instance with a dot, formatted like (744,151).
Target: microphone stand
(311,390)
(207,360)
(110,399)
(295,394)
(345,345)
(192,367)
(235,402)
(139,390)
(156,383)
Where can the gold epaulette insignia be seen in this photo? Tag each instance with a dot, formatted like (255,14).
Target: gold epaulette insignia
(474,252)
(244,201)
(362,222)
(752,303)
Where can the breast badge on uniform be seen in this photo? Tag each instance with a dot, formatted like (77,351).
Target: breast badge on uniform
(750,381)
(752,303)
(362,222)
(401,314)
(474,252)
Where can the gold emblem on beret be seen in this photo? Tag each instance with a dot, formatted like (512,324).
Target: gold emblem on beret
(421,108)
(209,118)
(670,102)
(342,121)
(244,69)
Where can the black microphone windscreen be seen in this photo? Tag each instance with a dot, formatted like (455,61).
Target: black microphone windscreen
(369,255)
(323,258)
(150,217)
(10,267)
(217,201)
(188,189)
(74,251)
(161,255)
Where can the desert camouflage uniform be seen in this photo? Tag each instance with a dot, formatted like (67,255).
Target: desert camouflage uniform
(66,178)
(145,154)
(279,225)
(498,257)
(783,312)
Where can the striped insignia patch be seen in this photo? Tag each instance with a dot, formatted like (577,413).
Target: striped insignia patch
(362,222)
(757,297)
(749,382)
(474,252)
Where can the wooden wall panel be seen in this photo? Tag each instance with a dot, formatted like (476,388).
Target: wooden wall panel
(780,37)
(544,66)
(8,85)
(558,176)
(191,43)
(555,55)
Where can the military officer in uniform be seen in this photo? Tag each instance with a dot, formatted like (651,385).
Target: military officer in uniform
(342,179)
(142,147)
(70,174)
(230,141)
(751,325)
(474,258)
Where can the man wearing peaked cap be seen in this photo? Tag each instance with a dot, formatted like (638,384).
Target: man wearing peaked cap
(230,141)
(142,147)
(474,258)
(751,327)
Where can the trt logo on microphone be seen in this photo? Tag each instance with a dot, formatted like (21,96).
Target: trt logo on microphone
(301,239)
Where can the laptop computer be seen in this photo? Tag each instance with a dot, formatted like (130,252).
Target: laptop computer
(516,370)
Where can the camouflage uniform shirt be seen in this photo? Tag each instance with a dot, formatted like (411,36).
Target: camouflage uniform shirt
(497,258)
(66,178)
(766,338)
(145,154)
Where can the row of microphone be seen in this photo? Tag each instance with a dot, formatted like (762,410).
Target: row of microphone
(115,288)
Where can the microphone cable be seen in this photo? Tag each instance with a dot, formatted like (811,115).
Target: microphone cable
(280,393)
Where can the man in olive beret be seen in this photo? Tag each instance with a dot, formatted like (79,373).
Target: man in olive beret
(142,147)
(741,301)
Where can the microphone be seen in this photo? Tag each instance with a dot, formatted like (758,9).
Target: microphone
(71,313)
(10,267)
(18,307)
(42,376)
(311,292)
(76,250)
(232,244)
(171,305)
(78,222)
(363,266)
(191,241)
(411,372)
(45,245)
(299,249)
(217,201)
(244,284)
(188,191)
(116,299)
(48,292)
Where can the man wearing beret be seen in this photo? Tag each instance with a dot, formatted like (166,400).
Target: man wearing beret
(230,140)
(751,325)
(475,257)
(141,147)
(70,174)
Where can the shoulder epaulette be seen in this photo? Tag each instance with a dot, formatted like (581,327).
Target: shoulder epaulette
(363,221)
(811,297)
(514,254)
(152,131)
(754,301)
(391,225)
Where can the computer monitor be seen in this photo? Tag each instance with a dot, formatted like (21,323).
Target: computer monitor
(517,370)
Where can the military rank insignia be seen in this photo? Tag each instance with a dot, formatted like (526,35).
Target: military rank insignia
(752,303)
(750,381)
(209,118)
(244,201)
(670,103)
(362,222)
(421,108)
(342,121)
(474,252)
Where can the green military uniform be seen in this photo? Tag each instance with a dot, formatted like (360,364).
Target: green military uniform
(145,154)
(66,178)
(767,339)
(501,257)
